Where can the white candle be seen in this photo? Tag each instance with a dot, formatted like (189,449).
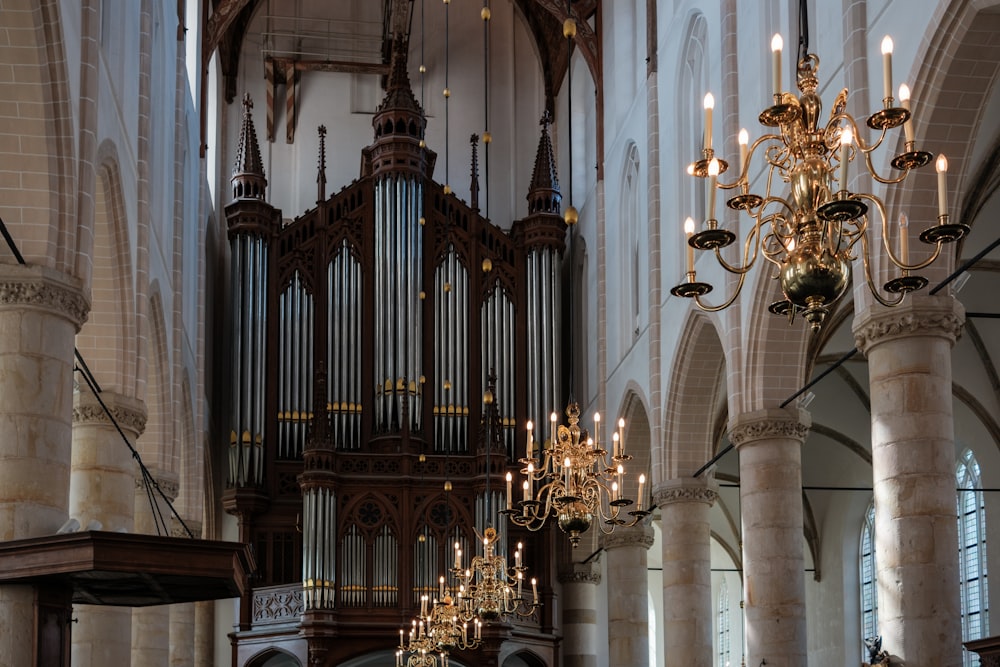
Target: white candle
(639,498)
(534,590)
(531,441)
(887,66)
(776,45)
(619,486)
(520,578)
(510,500)
(458,557)
(744,139)
(846,138)
(441,587)
(528,482)
(614,449)
(566,468)
(904,101)
(942,172)
(621,436)
(527,490)
(688,231)
(553,418)
(904,240)
(709,105)
(713,178)
(614,491)
(597,428)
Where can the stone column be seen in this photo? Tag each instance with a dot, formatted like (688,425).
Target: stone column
(579,617)
(204,633)
(628,588)
(102,497)
(151,625)
(41,310)
(183,617)
(770,447)
(687,571)
(913,466)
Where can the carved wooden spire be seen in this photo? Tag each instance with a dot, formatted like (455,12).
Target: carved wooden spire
(543,194)
(321,175)
(248,179)
(474,185)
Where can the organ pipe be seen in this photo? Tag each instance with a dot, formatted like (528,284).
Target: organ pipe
(248,313)
(318,548)
(544,329)
(344,348)
(295,336)
(451,352)
(398,251)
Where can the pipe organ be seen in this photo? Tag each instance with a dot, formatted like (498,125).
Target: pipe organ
(365,333)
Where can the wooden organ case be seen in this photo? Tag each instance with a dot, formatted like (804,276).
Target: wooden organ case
(364,335)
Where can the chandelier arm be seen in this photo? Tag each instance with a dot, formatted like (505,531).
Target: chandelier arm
(871,283)
(888,246)
(881,179)
(748,260)
(708,308)
(744,178)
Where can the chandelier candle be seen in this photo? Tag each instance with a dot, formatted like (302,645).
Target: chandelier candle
(846,139)
(942,178)
(776,45)
(887,69)
(709,105)
(904,101)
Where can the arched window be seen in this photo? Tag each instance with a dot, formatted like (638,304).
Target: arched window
(632,279)
(691,92)
(971,552)
(866,570)
(722,626)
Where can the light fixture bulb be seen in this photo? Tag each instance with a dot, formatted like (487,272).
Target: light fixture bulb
(847,136)
(941,165)
(744,137)
(709,101)
(713,167)
(886,45)
(688,228)
(904,93)
(777,43)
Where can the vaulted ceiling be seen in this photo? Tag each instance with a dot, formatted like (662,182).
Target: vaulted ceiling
(226,22)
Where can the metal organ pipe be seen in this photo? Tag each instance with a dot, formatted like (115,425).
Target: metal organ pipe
(248,279)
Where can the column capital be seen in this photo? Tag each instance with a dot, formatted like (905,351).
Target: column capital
(640,535)
(769,425)
(918,315)
(166,481)
(177,530)
(43,288)
(130,413)
(684,491)
(579,573)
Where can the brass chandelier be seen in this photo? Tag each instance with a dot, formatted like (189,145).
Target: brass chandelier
(810,234)
(437,630)
(489,589)
(573,481)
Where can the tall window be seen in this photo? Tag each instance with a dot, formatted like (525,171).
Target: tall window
(971,552)
(631,303)
(869,596)
(722,624)
(691,91)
